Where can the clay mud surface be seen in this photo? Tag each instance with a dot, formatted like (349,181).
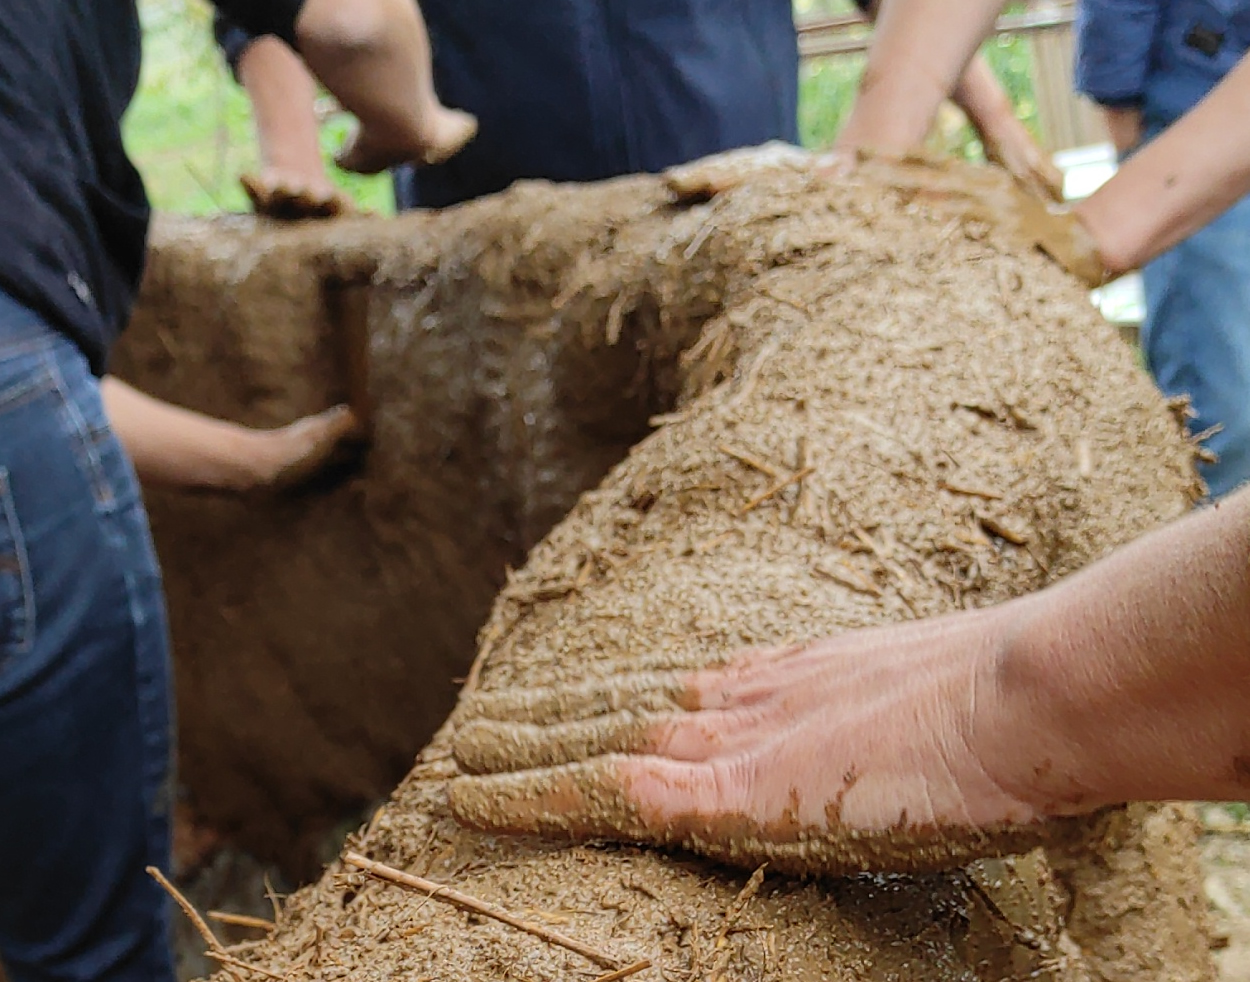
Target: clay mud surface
(867,408)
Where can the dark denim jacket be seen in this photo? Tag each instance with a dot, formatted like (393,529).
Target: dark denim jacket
(580,90)
(1160,55)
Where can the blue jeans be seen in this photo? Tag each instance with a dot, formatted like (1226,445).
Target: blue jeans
(85,721)
(1196,336)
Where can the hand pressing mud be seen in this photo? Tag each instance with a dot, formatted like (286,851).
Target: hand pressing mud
(1022,203)
(182,449)
(1000,201)
(910,747)
(1013,149)
(877,750)
(312,449)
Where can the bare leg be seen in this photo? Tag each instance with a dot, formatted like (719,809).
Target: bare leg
(445,131)
(293,182)
(180,448)
(377,60)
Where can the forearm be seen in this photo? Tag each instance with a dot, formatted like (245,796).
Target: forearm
(1134,676)
(1179,182)
(282,94)
(919,51)
(176,447)
(982,99)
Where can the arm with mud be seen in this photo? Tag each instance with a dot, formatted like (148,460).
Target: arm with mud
(1005,139)
(179,448)
(1157,199)
(1129,681)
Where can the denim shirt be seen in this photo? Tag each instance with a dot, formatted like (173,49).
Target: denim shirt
(1162,56)
(581,90)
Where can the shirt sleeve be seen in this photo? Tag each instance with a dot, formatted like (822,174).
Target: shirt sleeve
(258,17)
(1113,45)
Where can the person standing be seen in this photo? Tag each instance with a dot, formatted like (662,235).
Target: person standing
(85,713)
(1147,63)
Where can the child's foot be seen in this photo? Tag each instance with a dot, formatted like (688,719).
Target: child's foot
(286,196)
(450,131)
(443,134)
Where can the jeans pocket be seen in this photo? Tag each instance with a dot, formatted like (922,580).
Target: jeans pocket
(17,594)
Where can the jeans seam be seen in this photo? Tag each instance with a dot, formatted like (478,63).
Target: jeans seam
(26,346)
(20,393)
(26,630)
(89,454)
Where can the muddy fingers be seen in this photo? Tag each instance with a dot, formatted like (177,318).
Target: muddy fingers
(487,746)
(315,449)
(577,801)
(647,692)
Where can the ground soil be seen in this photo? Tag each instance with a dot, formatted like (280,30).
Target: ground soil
(236,883)
(1226,866)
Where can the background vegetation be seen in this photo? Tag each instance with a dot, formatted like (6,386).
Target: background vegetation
(190,129)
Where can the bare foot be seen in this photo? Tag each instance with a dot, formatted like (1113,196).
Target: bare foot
(882,749)
(444,133)
(290,197)
(289,458)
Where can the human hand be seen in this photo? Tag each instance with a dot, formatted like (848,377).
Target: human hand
(292,457)
(1124,126)
(1053,229)
(1011,147)
(987,195)
(891,749)
(287,196)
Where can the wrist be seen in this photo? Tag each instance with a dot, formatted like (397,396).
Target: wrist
(1096,240)
(1037,729)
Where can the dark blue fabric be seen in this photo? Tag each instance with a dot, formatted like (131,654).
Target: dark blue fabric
(85,727)
(73,225)
(580,90)
(1139,52)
